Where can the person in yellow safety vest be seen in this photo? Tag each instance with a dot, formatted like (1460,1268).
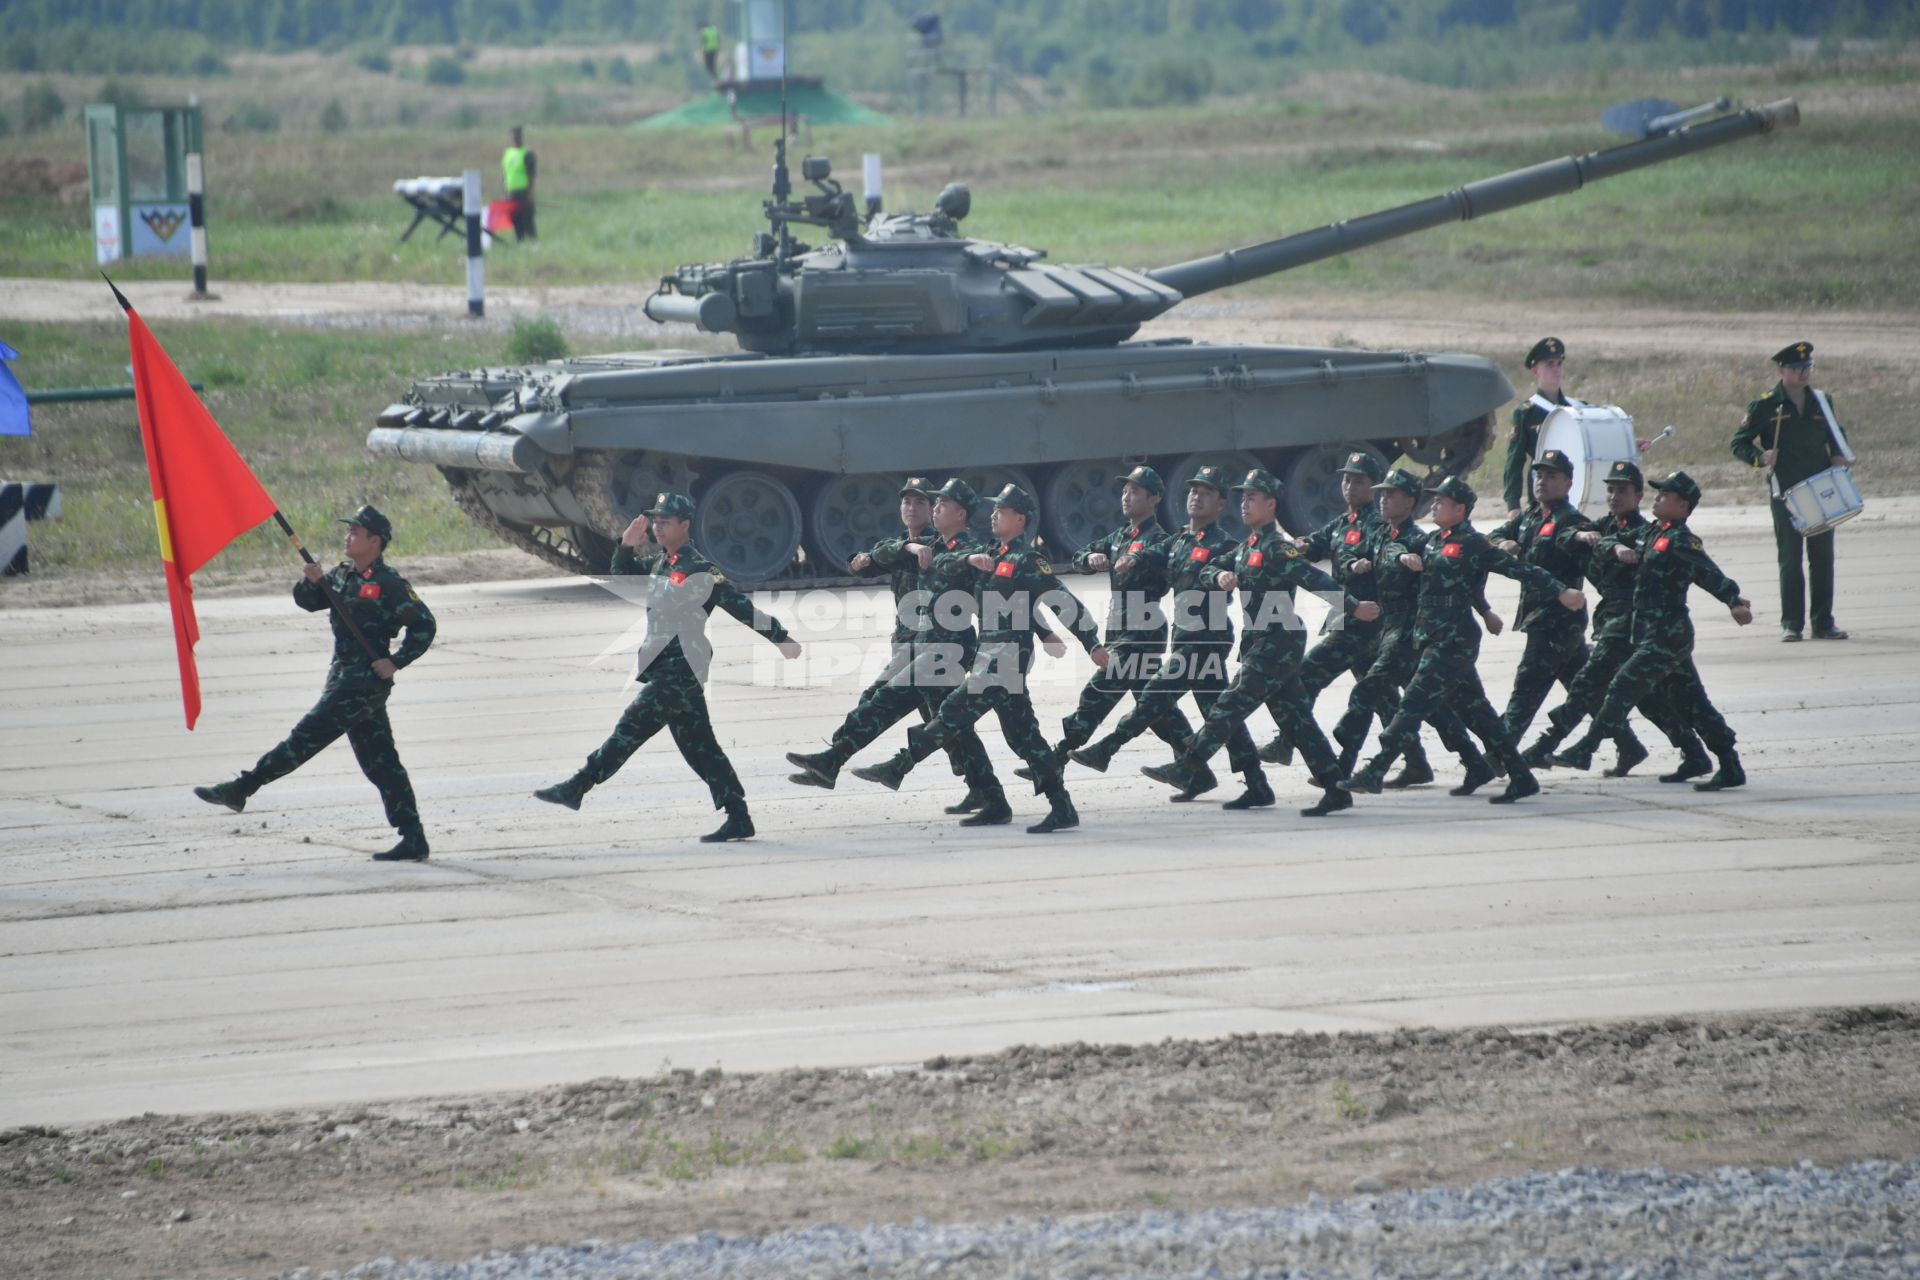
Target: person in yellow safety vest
(517,166)
(710,49)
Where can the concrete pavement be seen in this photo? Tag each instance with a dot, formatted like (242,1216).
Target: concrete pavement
(159,954)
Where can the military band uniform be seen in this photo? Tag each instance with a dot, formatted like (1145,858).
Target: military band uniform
(1671,559)
(1200,649)
(684,589)
(1556,637)
(353,701)
(1806,446)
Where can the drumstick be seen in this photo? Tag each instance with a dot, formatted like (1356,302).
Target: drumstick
(1657,439)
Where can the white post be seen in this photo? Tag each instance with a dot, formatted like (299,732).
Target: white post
(476,263)
(870,177)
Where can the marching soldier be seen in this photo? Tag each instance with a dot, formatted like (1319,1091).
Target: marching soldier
(1011,580)
(354,700)
(1547,362)
(1788,432)
(1671,558)
(1136,619)
(1396,655)
(684,589)
(1613,641)
(1202,642)
(895,694)
(1547,535)
(1266,569)
(1456,557)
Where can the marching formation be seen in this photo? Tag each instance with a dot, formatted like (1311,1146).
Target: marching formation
(1407,610)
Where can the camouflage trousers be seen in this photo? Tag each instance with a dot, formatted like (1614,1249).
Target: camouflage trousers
(1589,690)
(1445,681)
(1269,676)
(354,703)
(1553,653)
(1128,672)
(670,698)
(1199,668)
(1668,674)
(1376,692)
(996,682)
(909,684)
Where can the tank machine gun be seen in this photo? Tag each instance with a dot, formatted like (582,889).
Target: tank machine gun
(901,345)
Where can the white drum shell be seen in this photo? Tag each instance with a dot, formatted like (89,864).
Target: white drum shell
(1594,437)
(1823,500)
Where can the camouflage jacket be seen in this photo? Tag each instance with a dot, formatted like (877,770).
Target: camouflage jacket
(1341,541)
(1672,559)
(1199,612)
(1522,444)
(1268,568)
(1806,445)
(1134,609)
(1453,583)
(685,588)
(890,557)
(1613,616)
(1546,539)
(1020,580)
(380,603)
(1395,586)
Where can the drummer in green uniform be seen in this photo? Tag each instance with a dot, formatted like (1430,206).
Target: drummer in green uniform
(1789,433)
(1547,362)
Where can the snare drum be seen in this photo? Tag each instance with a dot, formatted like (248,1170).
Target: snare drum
(1821,501)
(1594,437)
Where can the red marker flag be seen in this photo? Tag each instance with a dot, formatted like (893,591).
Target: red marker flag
(203,495)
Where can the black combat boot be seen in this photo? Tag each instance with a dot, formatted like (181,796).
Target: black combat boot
(969,802)
(889,773)
(1479,774)
(412,846)
(1520,780)
(1631,753)
(1368,780)
(1096,757)
(1176,773)
(1060,816)
(1415,772)
(738,825)
(1332,800)
(1278,751)
(231,794)
(1258,794)
(994,811)
(1540,754)
(1694,762)
(568,793)
(1729,775)
(821,769)
(1580,754)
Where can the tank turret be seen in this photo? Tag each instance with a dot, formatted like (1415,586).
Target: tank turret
(901,345)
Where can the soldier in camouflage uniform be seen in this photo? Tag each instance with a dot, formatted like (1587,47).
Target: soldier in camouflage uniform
(1786,432)
(1349,646)
(1136,636)
(1266,569)
(1546,361)
(1396,656)
(684,588)
(1613,641)
(1011,579)
(1547,534)
(894,695)
(1671,559)
(1452,566)
(354,699)
(1202,643)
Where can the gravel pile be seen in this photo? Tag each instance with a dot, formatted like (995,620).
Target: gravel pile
(1756,1224)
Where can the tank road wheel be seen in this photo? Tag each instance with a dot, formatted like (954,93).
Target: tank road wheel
(987,481)
(613,486)
(747,523)
(847,515)
(1082,501)
(1235,462)
(1313,485)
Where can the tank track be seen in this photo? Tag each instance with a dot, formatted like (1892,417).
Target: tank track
(556,551)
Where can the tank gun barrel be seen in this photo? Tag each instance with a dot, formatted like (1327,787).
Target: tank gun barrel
(1489,195)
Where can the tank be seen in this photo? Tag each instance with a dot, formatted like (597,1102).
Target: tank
(902,346)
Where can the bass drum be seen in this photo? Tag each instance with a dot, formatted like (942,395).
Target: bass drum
(1594,437)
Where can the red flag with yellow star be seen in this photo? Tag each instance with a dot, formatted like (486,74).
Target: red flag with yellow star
(203,494)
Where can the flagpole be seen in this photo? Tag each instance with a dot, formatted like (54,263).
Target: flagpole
(333,597)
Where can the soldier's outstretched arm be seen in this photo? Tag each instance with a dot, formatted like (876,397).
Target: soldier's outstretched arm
(1068,609)
(414,615)
(1706,574)
(739,606)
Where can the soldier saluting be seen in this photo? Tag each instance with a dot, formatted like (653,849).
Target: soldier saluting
(1788,431)
(684,587)
(354,700)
